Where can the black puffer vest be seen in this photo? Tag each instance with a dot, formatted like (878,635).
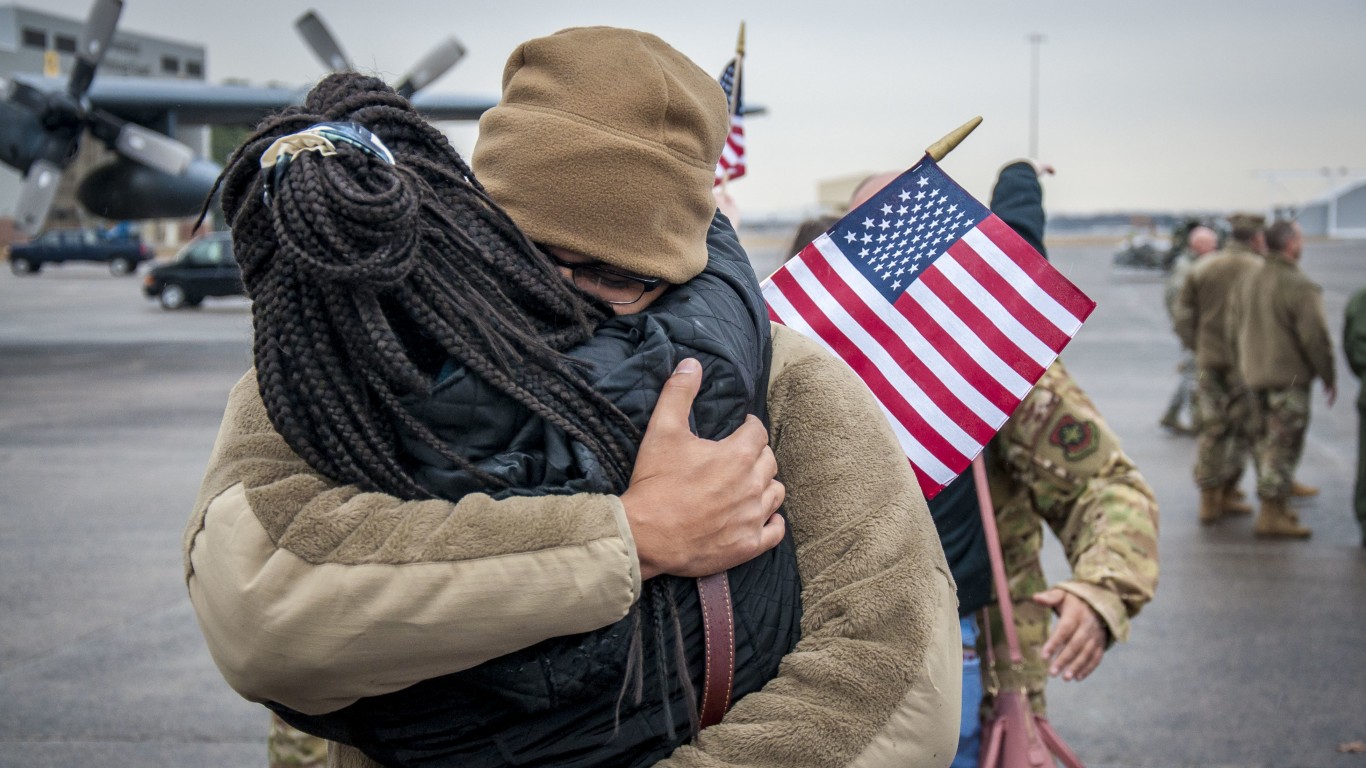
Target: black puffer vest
(573,701)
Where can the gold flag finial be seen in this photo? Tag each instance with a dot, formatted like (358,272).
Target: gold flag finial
(740,42)
(940,149)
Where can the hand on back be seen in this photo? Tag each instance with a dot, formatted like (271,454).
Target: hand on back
(695,506)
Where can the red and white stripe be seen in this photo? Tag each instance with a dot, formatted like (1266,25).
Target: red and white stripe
(732,162)
(958,351)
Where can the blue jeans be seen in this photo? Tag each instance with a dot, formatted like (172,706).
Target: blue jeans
(970,728)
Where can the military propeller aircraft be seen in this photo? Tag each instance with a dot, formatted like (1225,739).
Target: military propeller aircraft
(43,120)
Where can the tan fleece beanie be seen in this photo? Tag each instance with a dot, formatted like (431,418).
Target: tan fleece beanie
(605,143)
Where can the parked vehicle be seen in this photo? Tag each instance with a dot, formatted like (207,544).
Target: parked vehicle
(205,267)
(122,253)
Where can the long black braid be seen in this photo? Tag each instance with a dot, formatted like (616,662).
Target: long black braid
(366,277)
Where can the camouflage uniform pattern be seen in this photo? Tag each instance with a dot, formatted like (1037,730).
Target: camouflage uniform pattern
(1057,462)
(1354,345)
(289,747)
(1282,345)
(1283,421)
(1201,321)
(1176,278)
(1227,416)
(1184,397)
(1281,333)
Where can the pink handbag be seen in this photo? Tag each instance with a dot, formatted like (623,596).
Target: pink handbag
(1013,736)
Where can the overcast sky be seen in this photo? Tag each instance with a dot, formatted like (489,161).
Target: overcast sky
(1157,105)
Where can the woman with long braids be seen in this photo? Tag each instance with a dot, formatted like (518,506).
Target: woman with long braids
(410,341)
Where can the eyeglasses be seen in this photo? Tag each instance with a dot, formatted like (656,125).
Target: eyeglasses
(607,284)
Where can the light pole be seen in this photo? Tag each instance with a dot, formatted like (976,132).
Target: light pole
(1035,40)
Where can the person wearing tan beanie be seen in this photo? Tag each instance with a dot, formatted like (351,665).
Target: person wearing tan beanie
(605,144)
(602,151)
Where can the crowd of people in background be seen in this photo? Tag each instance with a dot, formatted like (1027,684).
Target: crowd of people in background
(1254,334)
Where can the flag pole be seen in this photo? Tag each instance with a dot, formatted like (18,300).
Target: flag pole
(940,149)
(739,62)
(733,99)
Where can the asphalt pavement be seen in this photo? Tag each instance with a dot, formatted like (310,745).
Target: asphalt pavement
(1251,655)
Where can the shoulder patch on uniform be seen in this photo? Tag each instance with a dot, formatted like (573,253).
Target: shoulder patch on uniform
(1028,424)
(1077,439)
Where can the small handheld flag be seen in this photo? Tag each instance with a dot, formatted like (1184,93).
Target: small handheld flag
(946,313)
(732,162)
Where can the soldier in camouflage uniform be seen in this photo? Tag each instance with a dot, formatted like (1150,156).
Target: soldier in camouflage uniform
(1354,344)
(1282,345)
(1200,240)
(1221,398)
(1057,462)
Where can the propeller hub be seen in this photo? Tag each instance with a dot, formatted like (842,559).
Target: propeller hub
(64,112)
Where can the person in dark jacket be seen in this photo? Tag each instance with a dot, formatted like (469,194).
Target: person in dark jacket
(480,428)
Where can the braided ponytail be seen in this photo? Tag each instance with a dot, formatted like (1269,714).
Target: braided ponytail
(366,276)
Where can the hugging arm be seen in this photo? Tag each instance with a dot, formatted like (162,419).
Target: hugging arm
(313,594)
(876,678)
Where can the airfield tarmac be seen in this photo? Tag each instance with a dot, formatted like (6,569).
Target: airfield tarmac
(1251,654)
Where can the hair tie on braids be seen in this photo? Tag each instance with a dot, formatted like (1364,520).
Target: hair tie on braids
(318,138)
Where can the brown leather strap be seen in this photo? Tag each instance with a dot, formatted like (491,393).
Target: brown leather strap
(998,568)
(718,630)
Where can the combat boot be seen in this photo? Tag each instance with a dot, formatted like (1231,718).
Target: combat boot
(1211,505)
(1299,490)
(1277,521)
(1234,505)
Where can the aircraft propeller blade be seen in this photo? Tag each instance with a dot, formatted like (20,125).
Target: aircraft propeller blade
(321,41)
(432,66)
(23,94)
(36,196)
(99,30)
(143,145)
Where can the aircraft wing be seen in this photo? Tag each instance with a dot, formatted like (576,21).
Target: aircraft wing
(151,101)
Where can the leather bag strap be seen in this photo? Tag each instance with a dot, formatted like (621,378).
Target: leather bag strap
(718,629)
(1040,739)
(1056,745)
(998,568)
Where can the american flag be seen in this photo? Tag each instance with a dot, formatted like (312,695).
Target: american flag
(946,313)
(732,162)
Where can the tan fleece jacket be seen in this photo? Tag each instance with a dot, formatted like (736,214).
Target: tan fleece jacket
(314,595)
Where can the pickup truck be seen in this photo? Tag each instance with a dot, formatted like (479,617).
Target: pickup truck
(205,267)
(123,254)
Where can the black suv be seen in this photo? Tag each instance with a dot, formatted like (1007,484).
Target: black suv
(123,253)
(205,267)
